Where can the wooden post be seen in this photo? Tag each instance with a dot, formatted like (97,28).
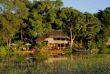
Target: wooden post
(60,46)
(81,55)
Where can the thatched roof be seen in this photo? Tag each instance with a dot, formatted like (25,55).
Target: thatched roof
(52,34)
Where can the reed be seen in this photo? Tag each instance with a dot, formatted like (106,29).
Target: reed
(95,65)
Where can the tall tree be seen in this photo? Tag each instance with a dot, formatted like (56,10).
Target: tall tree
(43,16)
(102,36)
(13,10)
(9,26)
(22,12)
(104,17)
(93,27)
(69,17)
(77,22)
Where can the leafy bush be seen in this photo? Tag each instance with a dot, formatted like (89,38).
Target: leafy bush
(35,47)
(91,45)
(68,50)
(101,44)
(44,43)
(6,51)
(97,51)
(106,51)
(19,44)
(2,52)
(75,46)
(38,45)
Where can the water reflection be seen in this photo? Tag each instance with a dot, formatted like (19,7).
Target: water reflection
(37,59)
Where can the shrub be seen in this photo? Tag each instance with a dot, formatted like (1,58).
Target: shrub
(75,46)
(101,44)
(97,51)
(44,43)
(106,51)
(19,44)
(68,50)
(2,52)
(35,47)
(38,45)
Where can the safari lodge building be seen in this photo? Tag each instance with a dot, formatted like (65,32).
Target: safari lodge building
(56,39)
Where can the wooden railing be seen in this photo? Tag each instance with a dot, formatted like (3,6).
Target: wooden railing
(59,41)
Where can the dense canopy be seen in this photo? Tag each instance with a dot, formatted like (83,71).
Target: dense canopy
(24,20)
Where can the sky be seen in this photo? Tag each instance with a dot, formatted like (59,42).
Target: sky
(91,6)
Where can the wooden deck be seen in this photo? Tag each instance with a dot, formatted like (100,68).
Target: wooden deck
(28,52)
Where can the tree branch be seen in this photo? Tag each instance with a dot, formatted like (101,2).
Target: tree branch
(86,25)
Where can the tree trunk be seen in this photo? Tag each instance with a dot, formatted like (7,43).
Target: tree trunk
(9,42)
(81,42)
(21,35)
(71,38)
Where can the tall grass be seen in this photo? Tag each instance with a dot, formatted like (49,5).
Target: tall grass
(80,66)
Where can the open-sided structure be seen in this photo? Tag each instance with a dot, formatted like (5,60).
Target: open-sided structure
(57,40)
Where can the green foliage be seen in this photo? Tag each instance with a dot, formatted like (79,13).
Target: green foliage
(44,43)
(36,46)
(106,51)
(21,47)
(97,51)
(6,51)
(75,46)
(101,45)
(9,26)
(21,18)
(43,15)
(103,16)
(2,52)
(83,24)
(91,45)
(68,50)
(44,50)
(40,45)
(20,44)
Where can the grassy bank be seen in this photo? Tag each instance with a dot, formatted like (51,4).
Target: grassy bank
(92,65)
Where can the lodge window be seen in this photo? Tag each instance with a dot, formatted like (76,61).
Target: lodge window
(63,39)
(58,38)
(58,45)
(66,45)
(55,38)
(62,45)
